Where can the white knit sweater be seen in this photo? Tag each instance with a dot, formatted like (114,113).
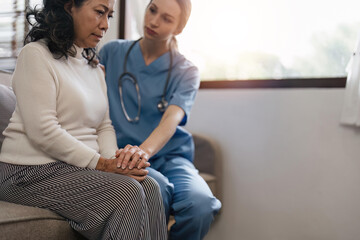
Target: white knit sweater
(61,111)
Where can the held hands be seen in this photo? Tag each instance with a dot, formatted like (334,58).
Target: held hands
(110,165)
(138,157)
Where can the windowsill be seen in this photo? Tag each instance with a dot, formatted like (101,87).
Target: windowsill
(338,82)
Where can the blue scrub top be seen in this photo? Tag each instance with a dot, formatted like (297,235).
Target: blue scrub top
(181,91)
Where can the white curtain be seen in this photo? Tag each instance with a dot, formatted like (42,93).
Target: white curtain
(135,10)
(351,108)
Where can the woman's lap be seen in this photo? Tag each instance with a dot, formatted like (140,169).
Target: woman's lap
(86,197)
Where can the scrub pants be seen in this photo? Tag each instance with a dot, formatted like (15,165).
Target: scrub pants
(186,196)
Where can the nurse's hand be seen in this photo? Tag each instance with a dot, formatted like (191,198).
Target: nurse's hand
(132,156)
(109,165)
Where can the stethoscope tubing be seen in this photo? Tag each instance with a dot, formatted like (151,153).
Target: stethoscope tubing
(161,105)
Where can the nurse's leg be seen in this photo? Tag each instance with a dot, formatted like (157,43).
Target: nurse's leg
(166,189)
(194,206)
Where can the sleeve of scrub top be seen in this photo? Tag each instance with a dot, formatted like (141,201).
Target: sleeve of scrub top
(104,52)
(185,92)
(103,55)
(35,84)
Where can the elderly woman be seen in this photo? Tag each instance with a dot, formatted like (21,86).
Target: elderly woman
(59,146)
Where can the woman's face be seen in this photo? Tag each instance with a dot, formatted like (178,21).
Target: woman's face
(162,18)
(91,21)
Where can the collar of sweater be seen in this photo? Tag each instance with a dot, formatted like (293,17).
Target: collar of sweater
(79,51)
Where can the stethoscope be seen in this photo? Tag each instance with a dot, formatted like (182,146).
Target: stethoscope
(162,104)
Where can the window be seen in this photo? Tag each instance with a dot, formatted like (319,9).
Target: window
(13,28)
(260,39)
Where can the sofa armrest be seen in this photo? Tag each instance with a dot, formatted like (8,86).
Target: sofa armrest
(208,161)
(7,107)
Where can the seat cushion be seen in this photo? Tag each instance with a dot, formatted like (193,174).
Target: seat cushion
(23,222)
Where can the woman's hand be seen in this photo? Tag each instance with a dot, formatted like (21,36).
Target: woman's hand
(110,165)
(132,156)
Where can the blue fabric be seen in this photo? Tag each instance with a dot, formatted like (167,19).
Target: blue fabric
(185,194)
(181,91)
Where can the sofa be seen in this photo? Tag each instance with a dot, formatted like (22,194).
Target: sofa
(23,222)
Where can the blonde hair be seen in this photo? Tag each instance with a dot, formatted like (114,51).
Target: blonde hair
(185,7)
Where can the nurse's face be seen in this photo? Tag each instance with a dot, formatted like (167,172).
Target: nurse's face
(91,21)
(162,18)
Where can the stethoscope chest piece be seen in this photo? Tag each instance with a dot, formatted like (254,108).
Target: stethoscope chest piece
(162,105)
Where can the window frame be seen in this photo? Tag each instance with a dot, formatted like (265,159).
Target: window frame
(333,82)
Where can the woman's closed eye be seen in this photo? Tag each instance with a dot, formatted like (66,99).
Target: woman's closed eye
(100,12)
(167,20)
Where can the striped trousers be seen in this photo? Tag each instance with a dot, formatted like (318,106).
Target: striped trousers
(99,205)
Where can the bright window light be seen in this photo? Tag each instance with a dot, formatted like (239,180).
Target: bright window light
(261,39)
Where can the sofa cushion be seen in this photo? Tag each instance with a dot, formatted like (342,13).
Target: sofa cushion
(7,107)
(23,222)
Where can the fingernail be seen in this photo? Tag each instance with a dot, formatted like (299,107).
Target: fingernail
(118,166)
(130,167)
(123,167)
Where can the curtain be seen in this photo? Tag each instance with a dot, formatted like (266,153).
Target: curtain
(134,18)
(351,108)
(13,28)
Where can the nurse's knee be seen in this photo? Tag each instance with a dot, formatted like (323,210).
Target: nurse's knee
(202,207)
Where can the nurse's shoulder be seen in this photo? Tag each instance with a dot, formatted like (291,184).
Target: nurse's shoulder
(186,70)
(114,49)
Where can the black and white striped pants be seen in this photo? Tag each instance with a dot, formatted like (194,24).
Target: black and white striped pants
(97,204)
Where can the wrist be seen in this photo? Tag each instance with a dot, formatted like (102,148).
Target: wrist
(101,164)
(147,150)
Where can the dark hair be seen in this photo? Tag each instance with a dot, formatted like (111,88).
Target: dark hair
(54,24)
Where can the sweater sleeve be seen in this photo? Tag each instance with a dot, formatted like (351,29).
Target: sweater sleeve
(106,133)
(35,85)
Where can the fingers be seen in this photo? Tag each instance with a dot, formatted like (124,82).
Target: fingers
(129,152)
(119,159)
(117,153)
(124,156)
(134,171)
(139,159)
(143,160)
(131,156)
(138,178)
(147,164)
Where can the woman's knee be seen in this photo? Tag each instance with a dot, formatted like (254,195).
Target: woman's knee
(166,188)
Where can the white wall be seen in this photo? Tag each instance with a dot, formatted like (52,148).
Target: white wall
(290,171)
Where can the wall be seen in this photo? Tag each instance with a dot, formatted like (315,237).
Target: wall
(290,171)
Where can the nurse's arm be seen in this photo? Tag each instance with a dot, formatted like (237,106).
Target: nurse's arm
(163,132)
(158,138)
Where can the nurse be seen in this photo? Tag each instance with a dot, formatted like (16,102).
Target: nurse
(151,89)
